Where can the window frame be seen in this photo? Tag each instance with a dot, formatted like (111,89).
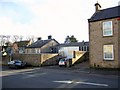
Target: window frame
(111,28)
(111,51)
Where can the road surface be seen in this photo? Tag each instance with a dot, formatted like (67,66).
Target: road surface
(55,78)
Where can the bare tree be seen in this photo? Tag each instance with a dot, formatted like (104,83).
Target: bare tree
(20,37)
(8,38)
(31,38)
(15,38)
(2,40)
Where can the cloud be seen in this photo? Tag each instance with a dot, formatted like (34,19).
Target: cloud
(16,11)
(51,17)
(58,18)
(8,27)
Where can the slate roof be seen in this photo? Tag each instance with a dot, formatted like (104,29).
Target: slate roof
(22,43)
(108,13)
(72,44)
(40,43)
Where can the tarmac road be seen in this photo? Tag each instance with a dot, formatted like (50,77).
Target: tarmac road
(54,78)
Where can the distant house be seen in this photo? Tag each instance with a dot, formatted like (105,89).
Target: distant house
(41,46)
(104,37)
(19,46)
(66,49)
(2,50)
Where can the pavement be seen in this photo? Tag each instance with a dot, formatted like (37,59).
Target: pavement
(84,67)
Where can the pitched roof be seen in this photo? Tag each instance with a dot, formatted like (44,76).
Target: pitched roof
(22,43)
(108,13)
(73,44)
(40,43)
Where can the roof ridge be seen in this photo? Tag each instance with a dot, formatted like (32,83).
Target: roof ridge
(109,8)
(40,43)
(107,13)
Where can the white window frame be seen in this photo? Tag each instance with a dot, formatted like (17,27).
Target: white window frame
(86,48)
(110,28)
(111,51)
(39,51)
(36,51)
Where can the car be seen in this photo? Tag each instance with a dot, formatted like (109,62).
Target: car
(64,62)
(17,64)
(4,53)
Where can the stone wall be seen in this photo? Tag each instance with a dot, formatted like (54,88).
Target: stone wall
(49,59)
(97,40)
(119,42)
(80,56)
(5,60)
(34,59)
(46,48)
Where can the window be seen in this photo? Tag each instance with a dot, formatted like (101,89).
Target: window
(108,52)
(107,28)
(37,50)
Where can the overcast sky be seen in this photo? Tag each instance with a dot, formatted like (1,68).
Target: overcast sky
(41,18)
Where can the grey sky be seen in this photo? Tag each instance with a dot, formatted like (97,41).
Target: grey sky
(58,18)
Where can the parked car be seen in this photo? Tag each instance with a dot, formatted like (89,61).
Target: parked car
(64,62)
(17,64)
(4,54)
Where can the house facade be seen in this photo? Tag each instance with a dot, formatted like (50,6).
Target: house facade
(104,37)
(41,46)
(19,46)
(67,49)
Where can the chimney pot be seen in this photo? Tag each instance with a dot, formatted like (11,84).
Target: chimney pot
(97,6)
(119,3)
(39,38)
(49,37)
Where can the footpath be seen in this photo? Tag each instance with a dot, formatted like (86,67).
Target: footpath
(84,67)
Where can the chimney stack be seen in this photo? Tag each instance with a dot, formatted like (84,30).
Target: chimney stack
(39,38)
(97,6)
(49,37)
(119,3)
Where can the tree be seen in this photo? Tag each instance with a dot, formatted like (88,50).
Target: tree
(20,37)
(15,38)
(30,38)
(7,38)
(4,39)
(70,39)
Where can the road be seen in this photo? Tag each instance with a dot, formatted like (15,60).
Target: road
(54,78)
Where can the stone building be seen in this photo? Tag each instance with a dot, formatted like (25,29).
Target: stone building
(19,46)
(104,37)
(41,46)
